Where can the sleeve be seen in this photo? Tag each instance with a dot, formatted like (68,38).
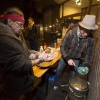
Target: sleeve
(65,46)
(89,53)
(14,59)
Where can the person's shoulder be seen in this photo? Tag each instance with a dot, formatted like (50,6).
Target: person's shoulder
(74,28)
(72,31)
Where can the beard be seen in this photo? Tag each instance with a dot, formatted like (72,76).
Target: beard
(19,33)
(81,36)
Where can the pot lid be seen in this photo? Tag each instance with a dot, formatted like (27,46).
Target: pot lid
(78,83)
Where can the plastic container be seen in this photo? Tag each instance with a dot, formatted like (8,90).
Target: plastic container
(41,49)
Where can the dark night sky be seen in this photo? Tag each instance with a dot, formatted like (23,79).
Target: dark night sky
(4,4)
(27,6)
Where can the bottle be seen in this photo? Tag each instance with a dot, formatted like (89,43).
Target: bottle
(63,32)
(58,42)
(55,45)
(41,49)
(45,45)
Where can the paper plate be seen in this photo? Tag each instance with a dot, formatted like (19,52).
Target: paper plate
(44,65)
(82,70)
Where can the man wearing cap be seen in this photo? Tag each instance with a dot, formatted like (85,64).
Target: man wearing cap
(15,64)
(78,43)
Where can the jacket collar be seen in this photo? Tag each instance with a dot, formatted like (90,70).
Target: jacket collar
(5,30)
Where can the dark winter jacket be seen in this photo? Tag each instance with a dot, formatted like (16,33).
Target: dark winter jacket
(72,48)
(14,56)
(33,34)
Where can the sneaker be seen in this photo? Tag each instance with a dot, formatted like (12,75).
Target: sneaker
(55,87)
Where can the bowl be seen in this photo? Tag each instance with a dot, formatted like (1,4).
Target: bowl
(44,65)
(82,70)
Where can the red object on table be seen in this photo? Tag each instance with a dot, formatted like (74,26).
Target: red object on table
(45,45)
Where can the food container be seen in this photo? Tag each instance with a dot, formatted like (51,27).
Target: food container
(82,70)
(78,88)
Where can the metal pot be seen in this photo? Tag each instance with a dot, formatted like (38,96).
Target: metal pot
(78,88)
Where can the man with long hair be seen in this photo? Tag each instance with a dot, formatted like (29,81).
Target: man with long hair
(18,77)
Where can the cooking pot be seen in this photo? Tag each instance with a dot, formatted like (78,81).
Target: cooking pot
(78,88)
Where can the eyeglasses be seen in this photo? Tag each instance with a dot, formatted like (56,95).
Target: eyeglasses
(19,23)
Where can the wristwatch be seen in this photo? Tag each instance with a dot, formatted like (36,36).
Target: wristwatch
(41,60)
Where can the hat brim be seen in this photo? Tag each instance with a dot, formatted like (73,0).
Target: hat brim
(87,27)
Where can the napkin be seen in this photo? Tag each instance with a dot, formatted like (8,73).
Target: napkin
(46,57)
(32,56)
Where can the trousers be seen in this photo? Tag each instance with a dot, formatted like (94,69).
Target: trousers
(28,96)
(61,66)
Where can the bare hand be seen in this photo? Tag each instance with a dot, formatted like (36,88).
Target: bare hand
(71,62)
(32,56)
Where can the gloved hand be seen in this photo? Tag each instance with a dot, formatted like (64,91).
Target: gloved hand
(82,70)
(46,57)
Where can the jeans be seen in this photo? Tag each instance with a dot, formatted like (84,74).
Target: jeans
(61,66)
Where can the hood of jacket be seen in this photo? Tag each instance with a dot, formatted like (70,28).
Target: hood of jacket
(5,30)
